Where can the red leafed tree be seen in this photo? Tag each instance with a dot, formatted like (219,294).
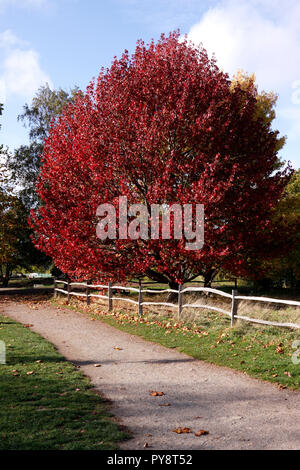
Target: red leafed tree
(160,126)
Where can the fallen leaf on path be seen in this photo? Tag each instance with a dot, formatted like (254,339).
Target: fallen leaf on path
(165,404)
(118,349)
(182,430)
(28,326)
(156,394)
(146,445)
(202,432)
(97,365)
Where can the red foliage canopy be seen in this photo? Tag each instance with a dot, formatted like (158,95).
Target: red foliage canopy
(162,126)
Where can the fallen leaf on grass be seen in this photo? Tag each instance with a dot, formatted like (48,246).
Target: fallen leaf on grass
(156,394)
(31,372)
(282,387)
(279,350)
(202,432)
(181,430)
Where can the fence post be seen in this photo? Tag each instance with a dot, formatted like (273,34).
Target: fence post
(88,299)
(55,286)
(233,307)
(140,299)
(69,290)
(110,301)
(179,301)
(235,283)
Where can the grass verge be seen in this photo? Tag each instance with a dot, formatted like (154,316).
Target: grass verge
(262,352)
(46,403)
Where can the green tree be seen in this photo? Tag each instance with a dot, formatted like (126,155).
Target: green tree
(13,228)
(287,268)
(24,163)
(16,247)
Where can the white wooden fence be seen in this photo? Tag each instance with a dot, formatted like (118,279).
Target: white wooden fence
(233,313)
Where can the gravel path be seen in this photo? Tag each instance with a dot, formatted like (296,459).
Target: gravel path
(239,412)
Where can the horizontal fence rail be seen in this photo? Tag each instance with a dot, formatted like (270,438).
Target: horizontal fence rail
(233,313)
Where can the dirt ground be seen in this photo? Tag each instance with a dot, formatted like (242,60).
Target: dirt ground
(239,412)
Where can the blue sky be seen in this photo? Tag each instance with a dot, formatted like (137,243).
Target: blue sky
(65,42)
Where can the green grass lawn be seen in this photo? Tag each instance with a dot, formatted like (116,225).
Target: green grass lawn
(46,402)
(260,351)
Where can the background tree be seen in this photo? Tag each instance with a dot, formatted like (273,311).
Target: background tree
(286,268)
(12,227)
(265,102)
(24,163)
(163,126)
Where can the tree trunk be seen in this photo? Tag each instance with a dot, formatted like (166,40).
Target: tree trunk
(208,277)
(5,278)
(173,296)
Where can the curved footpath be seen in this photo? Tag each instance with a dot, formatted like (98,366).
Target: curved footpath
(239,412)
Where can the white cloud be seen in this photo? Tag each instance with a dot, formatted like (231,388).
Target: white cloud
(21,73)
(9,39)
(254,37)
(261,37)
